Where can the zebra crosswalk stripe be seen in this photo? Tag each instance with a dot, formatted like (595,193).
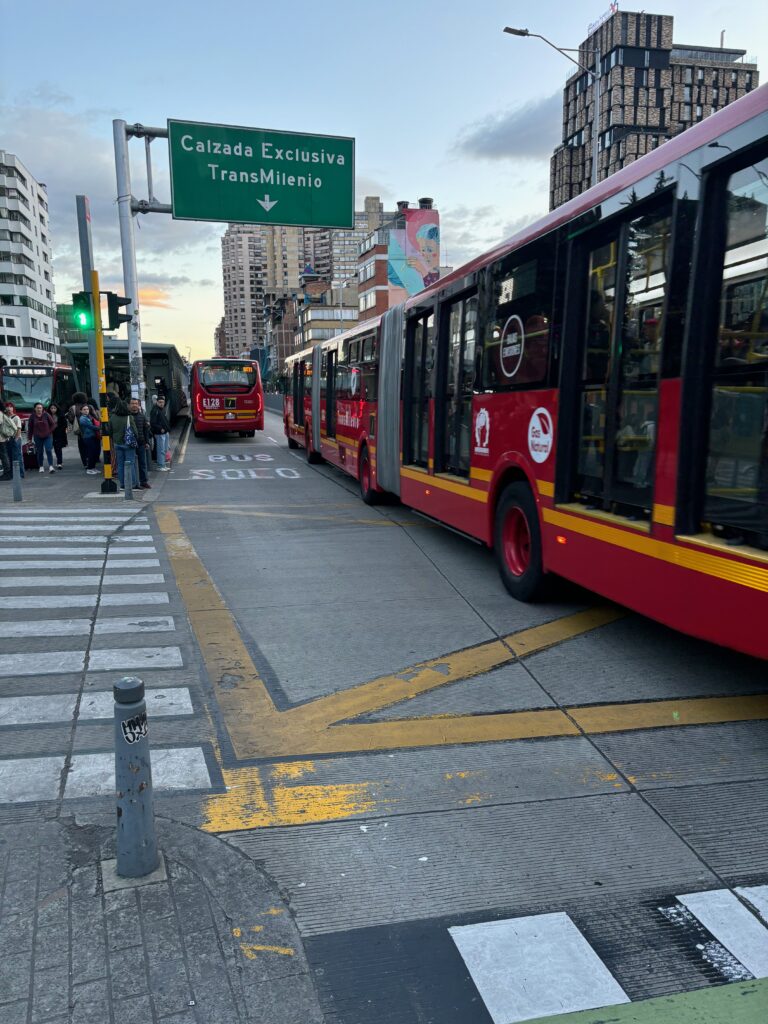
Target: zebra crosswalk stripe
(82,627)
(128,659)
(79,563)
(58,707)
(94,549)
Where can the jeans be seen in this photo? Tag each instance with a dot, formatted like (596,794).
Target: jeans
(161,444)
(44,445)
(92,448)
(15,454)
(58,447)
(143,457)
(5,456)
(126,457)
(81,447)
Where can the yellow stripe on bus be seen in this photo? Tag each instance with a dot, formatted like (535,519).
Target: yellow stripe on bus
(755,577)
(444,485)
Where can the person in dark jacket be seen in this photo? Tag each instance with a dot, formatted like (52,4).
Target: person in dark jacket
(144,450)
(40,427)
(59,432)
(74,412)
(161,428)
(124,433)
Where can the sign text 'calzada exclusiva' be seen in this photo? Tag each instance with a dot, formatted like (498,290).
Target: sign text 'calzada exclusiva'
(257,176)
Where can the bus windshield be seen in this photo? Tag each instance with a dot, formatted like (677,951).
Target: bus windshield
(226,376)
(25,388)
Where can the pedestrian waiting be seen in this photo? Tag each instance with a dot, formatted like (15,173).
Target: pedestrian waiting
(161,429)
(73,417)
(124,433)
(40,427)
(144,442)
(90,432)
(59,433)
(9,429)
(15,447)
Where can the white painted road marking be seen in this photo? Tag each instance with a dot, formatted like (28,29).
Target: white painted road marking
(80,563)
(59,707)
(59,662)
(89,600)
(82,627)
(536,966)
(733,926)
(31,582)
(64,528)
(757,895)
(174,768)
(95,540)
(95,549)
(38,778)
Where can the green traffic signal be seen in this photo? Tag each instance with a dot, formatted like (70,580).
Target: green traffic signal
(82,314)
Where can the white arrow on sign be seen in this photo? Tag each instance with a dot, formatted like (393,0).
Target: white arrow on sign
(265,202)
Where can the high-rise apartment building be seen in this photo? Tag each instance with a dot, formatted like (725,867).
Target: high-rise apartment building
(331,254)
(220,348)
(650,89)
(28,325)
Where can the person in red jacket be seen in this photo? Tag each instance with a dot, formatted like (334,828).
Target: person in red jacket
(40,427)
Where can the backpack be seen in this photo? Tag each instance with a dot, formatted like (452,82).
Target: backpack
(7,428)
(130,435)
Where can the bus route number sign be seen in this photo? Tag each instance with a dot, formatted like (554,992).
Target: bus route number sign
(221,172)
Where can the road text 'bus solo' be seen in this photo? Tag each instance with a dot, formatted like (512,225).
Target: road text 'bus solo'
(227,396)
(590,398)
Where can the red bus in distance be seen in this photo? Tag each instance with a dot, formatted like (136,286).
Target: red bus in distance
(590,397)
(227,397)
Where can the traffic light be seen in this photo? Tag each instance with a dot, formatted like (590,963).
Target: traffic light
(82,314)
(115,317)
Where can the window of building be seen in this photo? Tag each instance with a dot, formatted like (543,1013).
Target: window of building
(686,112)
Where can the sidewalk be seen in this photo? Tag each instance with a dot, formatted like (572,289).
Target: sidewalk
(71,485)
(213,943)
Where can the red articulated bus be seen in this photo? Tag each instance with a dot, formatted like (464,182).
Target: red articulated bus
(227,396)
(590,398)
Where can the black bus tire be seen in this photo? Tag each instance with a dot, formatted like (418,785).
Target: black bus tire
(292,443)
(313,457)
(517,543)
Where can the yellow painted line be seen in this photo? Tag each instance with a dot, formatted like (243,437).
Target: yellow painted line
(664,514)
(754,577)
(665,713)
(545,488)
(250,950)
(184,443)
(480,474)
(444,485)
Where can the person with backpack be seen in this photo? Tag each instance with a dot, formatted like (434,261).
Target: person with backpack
(161,428)
(144,437)
(125,438)
(8,433)
(79,399)
(40,427)
(90,431)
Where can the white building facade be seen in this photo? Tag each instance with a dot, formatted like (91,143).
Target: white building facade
(28,326)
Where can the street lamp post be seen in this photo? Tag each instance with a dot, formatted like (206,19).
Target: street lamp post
(594,75)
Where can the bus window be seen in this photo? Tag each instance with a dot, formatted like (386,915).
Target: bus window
(736,487)
(519,319)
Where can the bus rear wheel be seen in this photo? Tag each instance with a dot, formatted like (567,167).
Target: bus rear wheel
(517,543)
(367,493)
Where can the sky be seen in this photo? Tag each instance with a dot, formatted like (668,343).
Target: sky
(440,101)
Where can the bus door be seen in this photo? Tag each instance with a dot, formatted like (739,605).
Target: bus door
(330,397)
(420,349)
(623,277)
(453,412)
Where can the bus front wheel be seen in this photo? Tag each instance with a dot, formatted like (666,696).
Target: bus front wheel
(517,543)
(313,457)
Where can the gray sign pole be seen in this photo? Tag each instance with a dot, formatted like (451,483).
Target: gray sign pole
(86,262)
(128,245)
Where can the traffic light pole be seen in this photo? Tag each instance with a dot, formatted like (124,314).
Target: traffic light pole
(108,485)
(86,262)
(128,245)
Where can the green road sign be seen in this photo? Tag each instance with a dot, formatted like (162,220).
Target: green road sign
(255,176)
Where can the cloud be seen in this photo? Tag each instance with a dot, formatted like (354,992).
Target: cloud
(158,298)
(530,132)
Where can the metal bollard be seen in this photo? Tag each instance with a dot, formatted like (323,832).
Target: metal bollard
(17,480)
(128,481)
(137,852)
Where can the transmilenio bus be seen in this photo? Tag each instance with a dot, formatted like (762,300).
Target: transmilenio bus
(226,396)
(590,397)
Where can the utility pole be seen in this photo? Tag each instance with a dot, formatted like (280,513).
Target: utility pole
(128,246)
(86,262)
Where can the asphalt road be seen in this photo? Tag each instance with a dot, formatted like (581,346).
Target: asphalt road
(477,810)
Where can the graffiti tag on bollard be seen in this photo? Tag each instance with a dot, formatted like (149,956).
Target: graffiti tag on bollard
(135,728)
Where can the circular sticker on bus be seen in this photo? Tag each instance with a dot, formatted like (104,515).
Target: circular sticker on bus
(540,435)
(512,346)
